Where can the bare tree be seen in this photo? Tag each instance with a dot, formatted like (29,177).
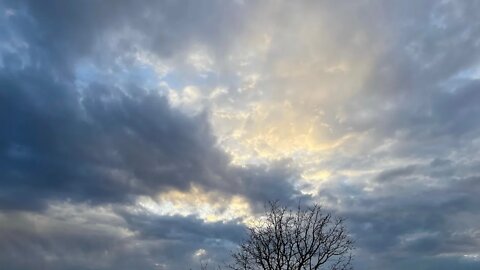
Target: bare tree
(305,238)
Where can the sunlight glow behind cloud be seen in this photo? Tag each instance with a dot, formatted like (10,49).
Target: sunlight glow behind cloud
(147,134)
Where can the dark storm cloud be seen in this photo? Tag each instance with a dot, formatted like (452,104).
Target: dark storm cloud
(100,146)
(105,145)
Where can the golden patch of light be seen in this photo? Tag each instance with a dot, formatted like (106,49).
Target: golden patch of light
(265,138)
(297,78)
(276,131)
(209,206)
(284,100)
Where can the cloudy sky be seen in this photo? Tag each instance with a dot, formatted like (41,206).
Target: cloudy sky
(146,134)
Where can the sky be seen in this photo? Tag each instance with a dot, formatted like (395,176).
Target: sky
(149,134)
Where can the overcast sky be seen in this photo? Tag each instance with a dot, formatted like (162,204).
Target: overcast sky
(146,134)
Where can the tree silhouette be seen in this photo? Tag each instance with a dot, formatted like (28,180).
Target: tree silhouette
(305,238)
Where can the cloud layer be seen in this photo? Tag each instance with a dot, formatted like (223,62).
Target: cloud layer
(147,134)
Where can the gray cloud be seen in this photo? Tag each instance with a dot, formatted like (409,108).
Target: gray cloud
(407,98)
(105,145)
(414,214)
(101,239)
(59,33)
